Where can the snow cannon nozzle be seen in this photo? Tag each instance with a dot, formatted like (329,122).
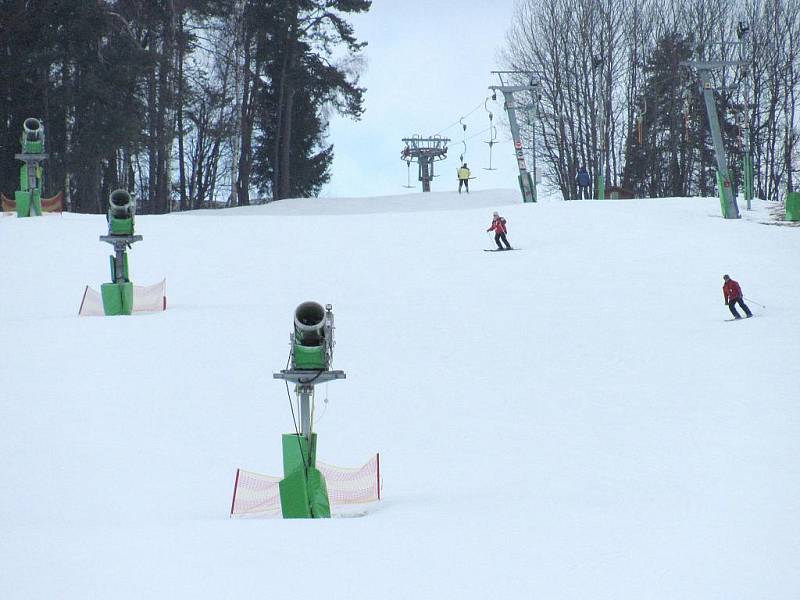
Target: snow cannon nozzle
(312,339)
(32,140)
(121,211)
(32,129)
(121,204)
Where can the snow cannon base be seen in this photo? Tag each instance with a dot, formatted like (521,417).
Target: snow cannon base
(304,493)
(117,298)
(28,204)
(145,299)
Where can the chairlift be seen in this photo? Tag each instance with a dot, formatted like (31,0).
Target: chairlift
(408,178)
(492,135)
(464,140)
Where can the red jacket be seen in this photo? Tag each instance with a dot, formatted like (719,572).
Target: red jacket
(731,290)
(498,225)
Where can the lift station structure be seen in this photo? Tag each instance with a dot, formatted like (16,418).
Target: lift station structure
(425,151)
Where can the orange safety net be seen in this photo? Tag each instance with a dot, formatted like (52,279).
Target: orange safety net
(49,205)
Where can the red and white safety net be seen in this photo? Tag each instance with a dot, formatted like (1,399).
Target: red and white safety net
(258,495)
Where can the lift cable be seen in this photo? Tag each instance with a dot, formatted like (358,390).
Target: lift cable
(460,121)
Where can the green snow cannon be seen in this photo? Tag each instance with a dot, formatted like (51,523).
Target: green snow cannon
(303,491)
(29,196)
(118,295)
(312,343)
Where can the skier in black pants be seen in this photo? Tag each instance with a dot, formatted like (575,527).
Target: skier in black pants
(733,296)
(500,229)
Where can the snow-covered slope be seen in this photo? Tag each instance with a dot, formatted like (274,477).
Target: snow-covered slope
(575,420)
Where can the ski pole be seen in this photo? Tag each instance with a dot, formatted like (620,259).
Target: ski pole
(756,303)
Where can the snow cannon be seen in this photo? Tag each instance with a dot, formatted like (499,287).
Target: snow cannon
(28,199)
(121,297)
(118,295)
(312,340)
(309,489)
(303,491)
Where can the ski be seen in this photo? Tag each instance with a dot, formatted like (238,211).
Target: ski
(501,249)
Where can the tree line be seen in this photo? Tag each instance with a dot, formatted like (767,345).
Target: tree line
(182,102)
(621,63)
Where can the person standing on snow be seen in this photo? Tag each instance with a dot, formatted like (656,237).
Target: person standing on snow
(463,177)
(733,295)
(500,230)
(584,181)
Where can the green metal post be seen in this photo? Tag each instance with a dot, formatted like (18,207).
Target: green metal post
(747,177)
(526,183)
(117,298)
(727,189)
(304,493)
(527,187)
(601,173)
(793,206)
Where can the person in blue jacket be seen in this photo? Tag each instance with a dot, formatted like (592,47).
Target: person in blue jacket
(584,181)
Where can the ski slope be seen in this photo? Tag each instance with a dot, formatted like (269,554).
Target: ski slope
(574,420)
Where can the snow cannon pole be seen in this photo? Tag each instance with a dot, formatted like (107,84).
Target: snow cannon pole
(118,295)
(28,198)
(304,494)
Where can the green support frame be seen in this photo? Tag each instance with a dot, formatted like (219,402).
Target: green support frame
(304,493)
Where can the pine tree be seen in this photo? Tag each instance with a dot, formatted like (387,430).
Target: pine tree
(295,46)
(659,147)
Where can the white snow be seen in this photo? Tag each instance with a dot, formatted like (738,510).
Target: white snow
(572,421)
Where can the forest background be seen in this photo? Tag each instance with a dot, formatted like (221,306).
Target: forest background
(198,103)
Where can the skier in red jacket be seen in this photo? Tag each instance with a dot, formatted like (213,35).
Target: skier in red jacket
(733,295)
(500,230)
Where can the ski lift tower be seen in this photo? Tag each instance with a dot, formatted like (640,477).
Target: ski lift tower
(526,185)
(727,190)
(425,151)
(745,60)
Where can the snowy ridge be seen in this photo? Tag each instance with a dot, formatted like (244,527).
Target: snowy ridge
(572,421)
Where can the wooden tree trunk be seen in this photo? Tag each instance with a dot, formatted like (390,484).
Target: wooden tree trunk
(246,129)
(163,122)
(185,204)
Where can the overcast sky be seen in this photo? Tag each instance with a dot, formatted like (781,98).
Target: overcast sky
(428,63)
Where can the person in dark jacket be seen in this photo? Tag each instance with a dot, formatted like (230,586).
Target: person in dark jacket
(499,227)
(733,295)
(584,181)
